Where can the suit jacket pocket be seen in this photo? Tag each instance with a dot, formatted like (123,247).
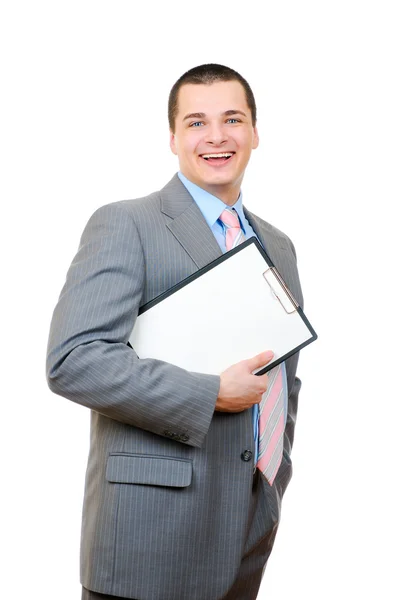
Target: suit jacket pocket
(146,469)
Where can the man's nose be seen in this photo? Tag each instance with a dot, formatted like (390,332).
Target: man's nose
(216,134)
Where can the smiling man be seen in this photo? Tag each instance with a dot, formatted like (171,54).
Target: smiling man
(179,503)
(213,143)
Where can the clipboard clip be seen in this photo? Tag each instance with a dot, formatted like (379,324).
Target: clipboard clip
(280,290)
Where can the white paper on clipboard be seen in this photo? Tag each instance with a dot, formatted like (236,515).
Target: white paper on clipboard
(232,309)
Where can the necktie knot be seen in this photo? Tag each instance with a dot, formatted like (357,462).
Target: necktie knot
(233,232)
(230,218)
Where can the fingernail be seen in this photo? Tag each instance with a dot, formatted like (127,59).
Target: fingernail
(268,354)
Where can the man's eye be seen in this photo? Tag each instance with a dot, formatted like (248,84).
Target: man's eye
(196,123)
(235,120)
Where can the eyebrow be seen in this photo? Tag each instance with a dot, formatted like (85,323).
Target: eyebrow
(227,113)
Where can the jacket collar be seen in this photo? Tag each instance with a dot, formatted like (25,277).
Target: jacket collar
(195,236)
(188,224)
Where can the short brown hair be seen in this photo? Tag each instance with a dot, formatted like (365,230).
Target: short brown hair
(208,74)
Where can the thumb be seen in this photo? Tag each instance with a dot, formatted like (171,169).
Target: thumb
(260,360)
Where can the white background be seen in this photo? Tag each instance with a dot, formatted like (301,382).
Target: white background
(84,123)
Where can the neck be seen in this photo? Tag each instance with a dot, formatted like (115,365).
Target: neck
(228,198)
(229,195)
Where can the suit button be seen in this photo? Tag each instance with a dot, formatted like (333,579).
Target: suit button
(246,456)
(184,437)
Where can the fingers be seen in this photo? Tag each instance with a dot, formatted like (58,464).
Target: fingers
(260,360)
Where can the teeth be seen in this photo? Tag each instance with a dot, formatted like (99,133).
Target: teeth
(220,155)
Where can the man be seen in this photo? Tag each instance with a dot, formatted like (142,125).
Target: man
(174,507)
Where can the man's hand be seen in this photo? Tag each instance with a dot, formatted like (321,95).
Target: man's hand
(239,388)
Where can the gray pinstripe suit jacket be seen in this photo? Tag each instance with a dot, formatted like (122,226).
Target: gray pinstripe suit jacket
(167,496)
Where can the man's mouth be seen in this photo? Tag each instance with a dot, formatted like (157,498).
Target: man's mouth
(217,158)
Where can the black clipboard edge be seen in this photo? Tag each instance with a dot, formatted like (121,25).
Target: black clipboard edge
(314,336)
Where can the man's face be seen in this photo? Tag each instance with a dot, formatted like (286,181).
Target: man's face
(214,120)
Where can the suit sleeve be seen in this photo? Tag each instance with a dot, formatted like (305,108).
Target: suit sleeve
(88,360)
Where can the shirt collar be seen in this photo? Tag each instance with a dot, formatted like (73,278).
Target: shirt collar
(210,206)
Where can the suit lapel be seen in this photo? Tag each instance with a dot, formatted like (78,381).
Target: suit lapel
(188,224)
(277,247)
(266,234)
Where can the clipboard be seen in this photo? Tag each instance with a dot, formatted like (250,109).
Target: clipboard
(230,310)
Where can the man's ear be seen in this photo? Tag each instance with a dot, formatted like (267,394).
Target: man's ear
(256,139)
(173,142)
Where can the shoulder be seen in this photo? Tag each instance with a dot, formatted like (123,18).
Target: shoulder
(130,213)
(131,207)
(120,222)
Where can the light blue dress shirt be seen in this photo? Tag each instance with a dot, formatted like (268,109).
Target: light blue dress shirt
(211,208)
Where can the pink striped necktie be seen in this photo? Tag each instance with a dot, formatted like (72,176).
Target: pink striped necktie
(233,232)
(271,424)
